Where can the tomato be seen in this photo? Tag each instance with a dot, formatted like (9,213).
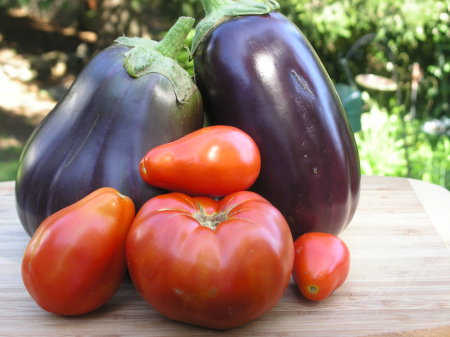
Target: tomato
(321,264)
(75,261)
(217,264)
(215,161)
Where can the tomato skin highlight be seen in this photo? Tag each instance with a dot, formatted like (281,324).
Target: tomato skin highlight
(75,261)
(219,275)
(321,264)
(214,161)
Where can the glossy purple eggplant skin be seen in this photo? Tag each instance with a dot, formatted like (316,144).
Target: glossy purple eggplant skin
(97,135)
(260,74)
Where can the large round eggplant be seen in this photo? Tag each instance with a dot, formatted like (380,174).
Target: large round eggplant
(257,71)
(108,120)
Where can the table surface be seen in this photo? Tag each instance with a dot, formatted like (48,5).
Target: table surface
(399,281)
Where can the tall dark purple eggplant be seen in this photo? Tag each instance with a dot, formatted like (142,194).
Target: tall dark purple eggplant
(104,125)
(257,71)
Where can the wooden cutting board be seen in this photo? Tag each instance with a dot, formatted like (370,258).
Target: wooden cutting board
(399,279)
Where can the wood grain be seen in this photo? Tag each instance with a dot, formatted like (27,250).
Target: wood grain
(433,332)
(399,282)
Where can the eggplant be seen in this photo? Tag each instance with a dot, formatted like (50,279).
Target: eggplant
(257,71)
(129,98)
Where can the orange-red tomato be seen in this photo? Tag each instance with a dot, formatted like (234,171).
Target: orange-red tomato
(321,264)
(215,161)
(75,261)
(217,264)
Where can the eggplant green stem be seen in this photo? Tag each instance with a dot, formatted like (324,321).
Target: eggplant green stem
(218,11)
(173,42)
(147,56)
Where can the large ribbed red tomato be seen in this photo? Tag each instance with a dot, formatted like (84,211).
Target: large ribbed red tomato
(217,264)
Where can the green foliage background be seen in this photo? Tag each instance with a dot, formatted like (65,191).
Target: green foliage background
(415,31)
(391,141)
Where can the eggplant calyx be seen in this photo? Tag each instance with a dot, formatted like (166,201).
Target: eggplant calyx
(147,56)
(218,11)
(131,42)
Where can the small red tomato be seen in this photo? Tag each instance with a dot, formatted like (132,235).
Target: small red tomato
(75,260)
(321,264)
(215,161)
(217,264)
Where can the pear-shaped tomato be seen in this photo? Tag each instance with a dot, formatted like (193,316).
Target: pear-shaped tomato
(75,261)
(215,161)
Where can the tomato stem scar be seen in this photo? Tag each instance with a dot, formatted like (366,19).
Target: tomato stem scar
(210,220)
